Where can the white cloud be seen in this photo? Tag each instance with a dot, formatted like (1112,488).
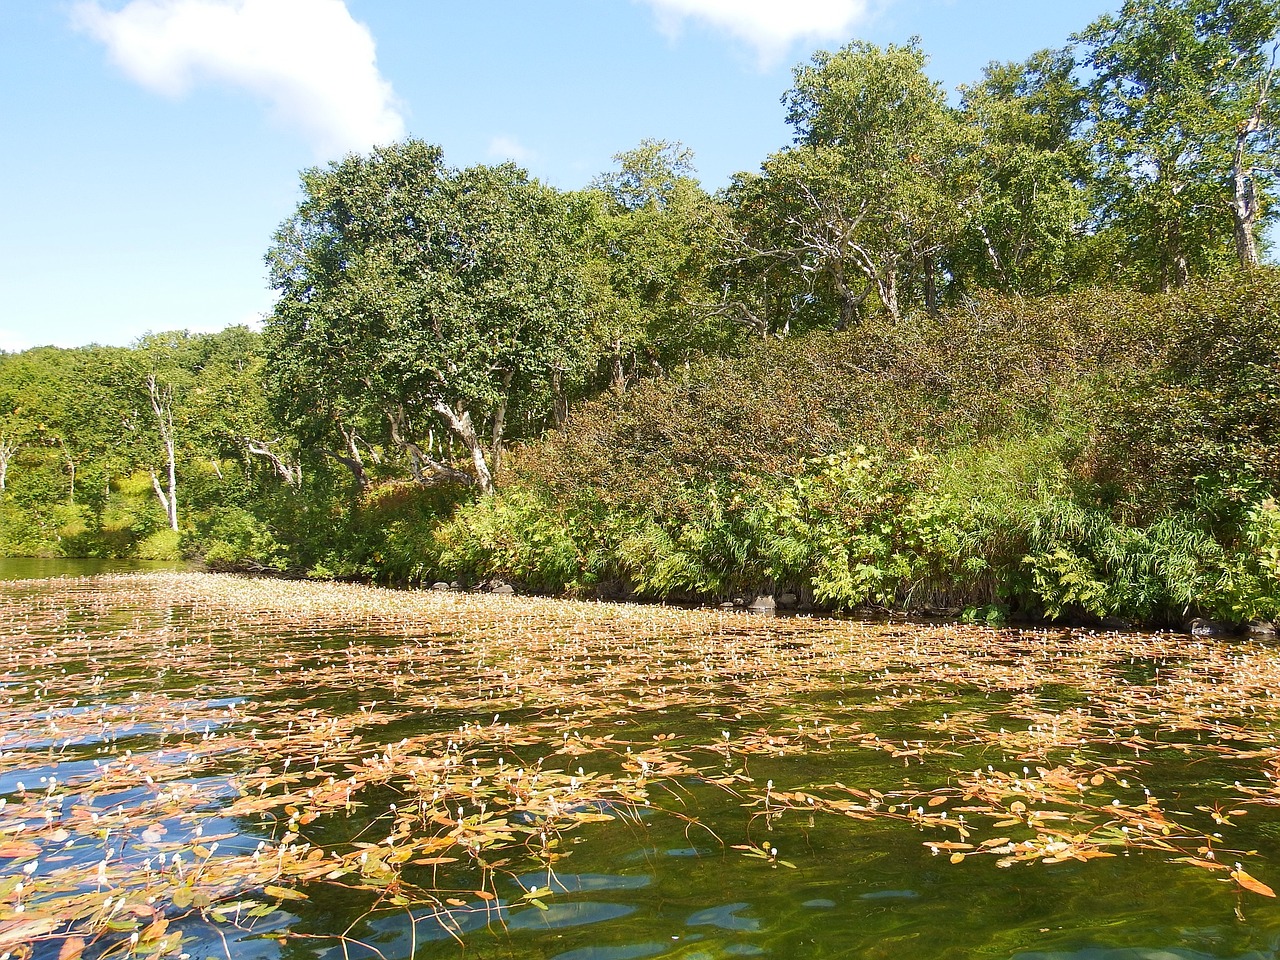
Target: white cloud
(308,59)
(771,26)
(509,148)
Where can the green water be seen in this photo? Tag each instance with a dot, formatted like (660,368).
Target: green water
(666,881)
(35,568)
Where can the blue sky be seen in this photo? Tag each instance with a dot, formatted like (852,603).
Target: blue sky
(153,146)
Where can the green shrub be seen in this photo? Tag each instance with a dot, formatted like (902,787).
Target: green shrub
(164,544)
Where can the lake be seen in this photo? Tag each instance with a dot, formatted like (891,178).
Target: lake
(229,767)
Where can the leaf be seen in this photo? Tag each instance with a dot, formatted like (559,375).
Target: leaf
(937,801)
(71,948)
(957,858)
(1251,884)
(22,932)
(283,893)
(154,931)
(18,849)
(1202,864)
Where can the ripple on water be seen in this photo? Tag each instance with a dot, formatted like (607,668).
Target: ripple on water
(725,918)
(576,914)
(583,882)
(635,951)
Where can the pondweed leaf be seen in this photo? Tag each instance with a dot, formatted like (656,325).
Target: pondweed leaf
(1251,884)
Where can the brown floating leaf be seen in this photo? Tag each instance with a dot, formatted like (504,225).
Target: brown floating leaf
(16,933)
(1252,884)
(15,849)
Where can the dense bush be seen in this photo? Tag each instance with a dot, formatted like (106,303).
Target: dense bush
(1087,456)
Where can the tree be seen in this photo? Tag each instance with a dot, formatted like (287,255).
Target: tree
(412,292)
(1029,172)
(161,398)
(17,428)
(1183,103)
(655,240)
(868,195)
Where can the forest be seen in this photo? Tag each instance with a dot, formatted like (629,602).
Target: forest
(1008,352)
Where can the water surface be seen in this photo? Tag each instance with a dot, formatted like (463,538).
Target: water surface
(263,769)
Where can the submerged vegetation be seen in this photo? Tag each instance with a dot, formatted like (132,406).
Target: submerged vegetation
(218,766)
(1012,355)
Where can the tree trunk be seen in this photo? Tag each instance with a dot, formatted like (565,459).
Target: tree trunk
(887,286)
(459,422)
(500,423)
(160,494)
(559,402)
(930,287)
(1244,202)
(7,450)
(422,466)
(619,383)
(290,475)
(162,406)
(851,303)
(351,459)
(71,473)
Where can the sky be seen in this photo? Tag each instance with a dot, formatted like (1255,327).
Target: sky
(154,146)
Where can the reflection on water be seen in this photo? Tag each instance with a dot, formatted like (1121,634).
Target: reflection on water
(39,568)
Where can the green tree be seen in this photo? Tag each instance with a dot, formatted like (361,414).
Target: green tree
(1029,171)
(868,195)
(1183,104)
(409,292)
(656,239)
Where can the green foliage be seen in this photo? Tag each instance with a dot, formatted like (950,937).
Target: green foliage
(392,533)
(1197,428)
(1250,584)
(653,244)
(867,201)
(955,465)
(164,544)
(411,293)
(1183,107)
(232,537)
(515,537)
(1029,173)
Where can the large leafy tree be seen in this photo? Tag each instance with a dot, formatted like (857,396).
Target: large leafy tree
(656,240)
(865,203)
(413,293)
(1029,174)
(1184,100)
